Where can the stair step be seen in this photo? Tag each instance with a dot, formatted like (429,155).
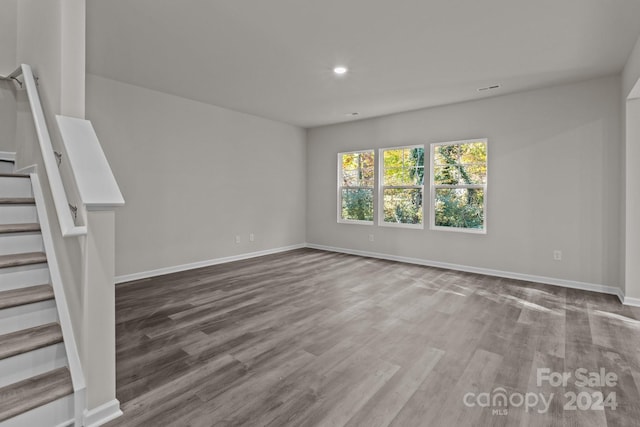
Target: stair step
(36,362)
(19,228)
(29,339)
(21,243)
(18,214)
(28,258)
(15,319)
(6,166)
(16,297)
(24,277)
(36,391)
(17,201)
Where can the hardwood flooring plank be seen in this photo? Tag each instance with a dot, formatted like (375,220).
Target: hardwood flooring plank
(137,410)
(481,370)
(314,338)
(348,388)
(383,407)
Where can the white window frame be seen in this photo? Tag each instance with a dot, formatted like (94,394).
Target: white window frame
(341,187)
(433,188)
(382,187)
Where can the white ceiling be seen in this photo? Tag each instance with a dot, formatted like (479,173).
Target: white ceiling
(273,58)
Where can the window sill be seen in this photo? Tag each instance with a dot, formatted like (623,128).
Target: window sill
(354,221)
(459,229)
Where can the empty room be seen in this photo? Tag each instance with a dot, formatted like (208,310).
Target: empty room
(296,213)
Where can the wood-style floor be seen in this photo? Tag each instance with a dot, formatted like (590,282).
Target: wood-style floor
(313,338)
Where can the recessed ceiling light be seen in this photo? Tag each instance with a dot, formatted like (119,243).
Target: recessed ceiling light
(340,70)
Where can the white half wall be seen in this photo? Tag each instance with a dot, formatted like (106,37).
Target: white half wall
(554,182)
(195,176)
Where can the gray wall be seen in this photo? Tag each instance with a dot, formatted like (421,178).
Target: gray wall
(8,36)
(631,71)
(8,117)
(630,83)
(554,162)
(632,229)
(194,176)
(8,43)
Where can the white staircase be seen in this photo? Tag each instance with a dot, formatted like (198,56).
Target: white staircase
(35,383)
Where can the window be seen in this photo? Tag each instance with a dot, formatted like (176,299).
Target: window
(401,186)
(355,187)
(459,185)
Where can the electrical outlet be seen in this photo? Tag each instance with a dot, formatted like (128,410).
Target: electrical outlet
(557,255)
(371,237)
(237,239)
(252,237)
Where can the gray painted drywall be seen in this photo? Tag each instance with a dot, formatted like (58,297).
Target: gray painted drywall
(8,116)
(554,161)
(631,71)
(632,229)
(194,176)
(631,154)
(8,43)
(8,34)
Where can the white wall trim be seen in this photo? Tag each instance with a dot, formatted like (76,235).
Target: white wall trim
(206,263)
(102,414)
(635,302)
(604,289)
(93,177)
(8,155)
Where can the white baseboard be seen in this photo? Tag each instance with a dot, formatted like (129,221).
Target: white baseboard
(611,290)
(102,414)
(200,264)
(572,284)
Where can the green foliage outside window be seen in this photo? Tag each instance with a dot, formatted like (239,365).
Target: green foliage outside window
(459,166)
(357,204)
(404,172)
(356,192)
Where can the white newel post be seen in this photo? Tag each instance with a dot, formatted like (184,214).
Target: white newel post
(99,315)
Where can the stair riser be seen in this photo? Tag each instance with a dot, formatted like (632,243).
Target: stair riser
(56,413)
(15,187)
(18,243)
(22,277)
(27,316)
(6,167)
(18,214)
(30,364)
